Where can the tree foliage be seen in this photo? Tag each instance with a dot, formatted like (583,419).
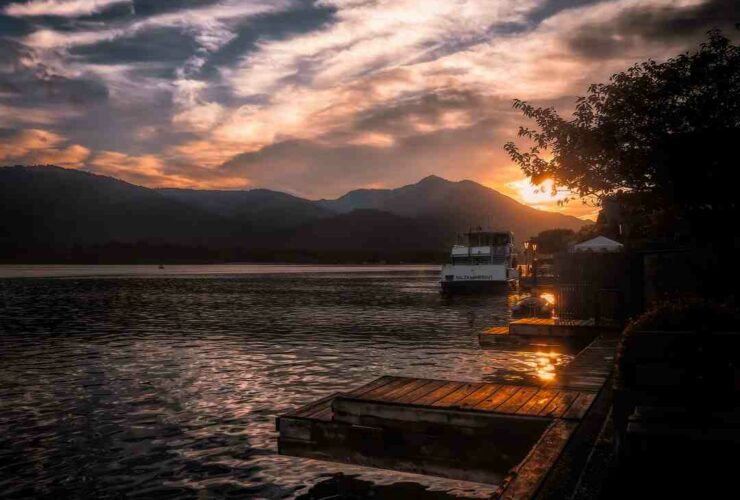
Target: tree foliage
(554,240)
(661,129)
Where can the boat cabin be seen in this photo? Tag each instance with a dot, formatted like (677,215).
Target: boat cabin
(484,247)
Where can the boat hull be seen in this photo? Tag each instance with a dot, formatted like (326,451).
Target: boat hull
(477,278)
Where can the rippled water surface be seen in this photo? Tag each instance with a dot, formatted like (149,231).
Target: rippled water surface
(141,382)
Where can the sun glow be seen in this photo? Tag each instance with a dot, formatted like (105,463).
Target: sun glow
(538,195)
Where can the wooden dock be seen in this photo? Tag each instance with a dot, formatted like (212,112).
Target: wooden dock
(520,436)
(501,339)
(542,335)
(593,365)
(496,433)
(554,327)
(461,430)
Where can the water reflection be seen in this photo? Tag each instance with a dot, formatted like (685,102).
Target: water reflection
(348,486)
(546,365)
(144,386)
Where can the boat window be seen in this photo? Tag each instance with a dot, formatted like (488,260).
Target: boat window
(461,260)
(501,239)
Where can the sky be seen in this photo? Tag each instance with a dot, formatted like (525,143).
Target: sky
(313,97)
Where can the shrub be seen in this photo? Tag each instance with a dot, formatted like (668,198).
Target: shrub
(686,314)
(695,316)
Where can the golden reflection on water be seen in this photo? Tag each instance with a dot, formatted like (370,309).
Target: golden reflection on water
(545,369)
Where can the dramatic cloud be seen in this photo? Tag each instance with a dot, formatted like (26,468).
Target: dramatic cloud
(314,97)
(642,22)
(41,147)
(64,8)
(152,171)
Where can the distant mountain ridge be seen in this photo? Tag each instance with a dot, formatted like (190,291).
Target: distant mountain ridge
(262,207)
(52,205)
(459,205)
(50,213)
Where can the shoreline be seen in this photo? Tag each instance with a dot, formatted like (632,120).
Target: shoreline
(10,271)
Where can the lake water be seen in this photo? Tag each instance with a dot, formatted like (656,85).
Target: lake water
(144,382)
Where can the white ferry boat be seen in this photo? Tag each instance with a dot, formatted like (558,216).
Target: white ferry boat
(486,262)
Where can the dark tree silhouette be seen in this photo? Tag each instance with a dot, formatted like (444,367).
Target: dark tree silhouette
(554,240)
(663,133)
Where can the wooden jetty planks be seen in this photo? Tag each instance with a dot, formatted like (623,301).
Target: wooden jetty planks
(394,384)
(439,393)
(559,404)
(375,384)
(580,406)
(466,445)
(421,391)
(553,327)
(518,400)
(582,383)
(530,473)
(592,367)
(458,395)
(522,400)
(311,408)
(400,391)
(318,409)
(582,403)
(498,397)
(325,414)
(538,402)
(477,396)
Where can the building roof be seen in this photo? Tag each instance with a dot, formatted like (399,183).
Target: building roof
(598,244)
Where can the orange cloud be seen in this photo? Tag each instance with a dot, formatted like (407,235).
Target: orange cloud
(206,154)
(37,146)
(150,170)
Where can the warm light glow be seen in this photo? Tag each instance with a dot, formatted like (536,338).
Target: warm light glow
(538,194)
(541,197)
(546,375)
(549,297)
(546,366)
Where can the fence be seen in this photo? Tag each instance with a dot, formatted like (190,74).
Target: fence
(599,286)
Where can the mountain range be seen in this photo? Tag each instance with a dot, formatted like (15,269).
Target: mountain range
(52,214)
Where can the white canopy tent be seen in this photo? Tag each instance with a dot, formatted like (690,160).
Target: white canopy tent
(598,244)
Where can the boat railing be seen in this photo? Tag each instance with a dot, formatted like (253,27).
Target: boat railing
(477,259)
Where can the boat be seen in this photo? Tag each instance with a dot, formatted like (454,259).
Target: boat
(486,261)
(532,307)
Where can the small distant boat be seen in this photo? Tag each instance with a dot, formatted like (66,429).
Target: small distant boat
(486,261)
(532,307)
(161,266)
